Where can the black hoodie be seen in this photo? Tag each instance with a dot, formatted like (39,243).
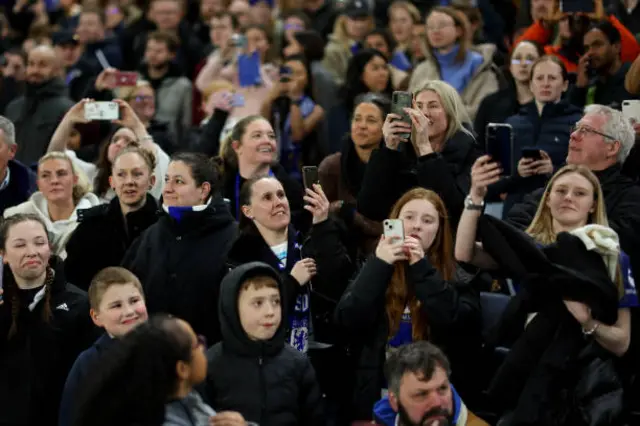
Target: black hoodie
(268,382)
(181,262)
(36,115)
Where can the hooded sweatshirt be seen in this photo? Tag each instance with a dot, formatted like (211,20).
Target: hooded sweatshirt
(60,231)
(268,382)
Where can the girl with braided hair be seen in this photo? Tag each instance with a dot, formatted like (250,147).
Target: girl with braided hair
(44,324)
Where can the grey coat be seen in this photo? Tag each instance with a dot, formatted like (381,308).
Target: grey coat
(190,411)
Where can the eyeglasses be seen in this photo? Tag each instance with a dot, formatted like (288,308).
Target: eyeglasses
(201,342)
(144,98)
(582,131)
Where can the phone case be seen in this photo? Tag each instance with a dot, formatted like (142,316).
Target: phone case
(631,110)
(393,228)
(126,79)
(310,176)
(499,145)
(101,111)
(249,70)
(399,101)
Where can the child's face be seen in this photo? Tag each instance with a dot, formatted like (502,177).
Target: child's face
(121,309)
(260,312)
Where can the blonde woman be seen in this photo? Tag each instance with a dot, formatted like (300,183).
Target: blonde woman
(572,199)
(349,31)
(403,16)
(451,58)
(438,156)
(62,190)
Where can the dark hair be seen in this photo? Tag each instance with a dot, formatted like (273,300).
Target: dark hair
(95,11)
(608,29)
(202,169)
(420,358)
(269,36)
(17,51)
(244,199)
(353,85)
(169,39)
(226,14)
(147,156)
(555,60)
(297,13)
(137,376)
(308,90)
(381,101)
(103,165)
(10,286)
(386,35)
(312,44)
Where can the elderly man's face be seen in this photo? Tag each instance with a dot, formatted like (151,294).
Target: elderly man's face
(590,146)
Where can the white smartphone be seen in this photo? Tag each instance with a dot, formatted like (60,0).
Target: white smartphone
(394,229)
(101,111)
(631,110)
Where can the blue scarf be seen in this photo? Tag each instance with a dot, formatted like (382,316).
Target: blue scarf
(177,212)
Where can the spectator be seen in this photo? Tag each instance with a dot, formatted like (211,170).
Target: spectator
(250,151)
(571,29)
(355,21)
(67,15)
(628,14)
(532,11)
(251,313)
(191,239)
(420,368)
(341,174)
(98,52)
(240,10)
(498,106)
(322,15)
(37,113)
(17,182)
(601,73)
(12,74)
(601,141)
(44,323)
(149,378)
(117,306)
(438,157)
(403,16)
(208,10)
(452,59)
(544,124)
(130,130)
(410,291)
(368,72)
(172,88)
(632,79)
(68,50)
(113,227)
(62,190)
(380,40)
(296,117)
(291,22)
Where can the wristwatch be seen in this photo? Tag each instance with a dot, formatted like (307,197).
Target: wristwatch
(470,205)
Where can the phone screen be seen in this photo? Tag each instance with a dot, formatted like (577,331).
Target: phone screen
(499,146)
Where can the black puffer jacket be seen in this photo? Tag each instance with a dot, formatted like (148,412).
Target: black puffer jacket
(34,363)
(181,262)
(268,382)
(391,173)
(102,238)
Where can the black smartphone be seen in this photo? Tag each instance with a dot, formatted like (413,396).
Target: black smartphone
(499,145)
(285,74)
(577,6)
(532,153)
(310,176)
(400,101)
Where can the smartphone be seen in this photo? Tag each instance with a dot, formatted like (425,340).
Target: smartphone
(237,100)
(239,41)
(631,110)
(577,6)
(310,176)
(249,70)
(285,74)
(394,229)
(531,153)
(400,101)
(101,111)
(126,78)
(499,145)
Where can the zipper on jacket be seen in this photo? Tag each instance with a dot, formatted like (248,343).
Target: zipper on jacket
(263,392)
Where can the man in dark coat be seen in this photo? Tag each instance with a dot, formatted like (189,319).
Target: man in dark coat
(37,113)
(17,182)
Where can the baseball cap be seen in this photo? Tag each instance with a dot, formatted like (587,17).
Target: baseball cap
(357,9)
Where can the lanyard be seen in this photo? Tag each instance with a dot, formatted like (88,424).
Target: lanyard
(237,193)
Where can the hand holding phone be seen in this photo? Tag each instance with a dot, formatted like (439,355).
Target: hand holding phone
(391,247)
(400,101)
(531,153)
(499,145)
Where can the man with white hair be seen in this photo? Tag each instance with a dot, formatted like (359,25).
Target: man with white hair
(601,141)
(17,182)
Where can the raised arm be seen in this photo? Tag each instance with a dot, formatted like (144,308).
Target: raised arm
(63,132)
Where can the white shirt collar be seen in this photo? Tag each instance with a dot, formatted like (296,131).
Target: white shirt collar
(5,182)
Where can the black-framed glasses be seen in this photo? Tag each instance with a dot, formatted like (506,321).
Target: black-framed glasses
(583,130)
(201,342)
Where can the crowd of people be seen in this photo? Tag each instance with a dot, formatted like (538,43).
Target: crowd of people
(218,212)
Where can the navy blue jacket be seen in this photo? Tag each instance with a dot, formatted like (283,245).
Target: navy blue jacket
(83,365)
(549,132)
(22,183)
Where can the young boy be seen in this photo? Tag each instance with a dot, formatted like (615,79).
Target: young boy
(117,305)
(252,370)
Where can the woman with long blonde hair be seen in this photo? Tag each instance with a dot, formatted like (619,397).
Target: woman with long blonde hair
(62,190)
(409,291)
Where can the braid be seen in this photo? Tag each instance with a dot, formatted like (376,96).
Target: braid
(15,310)
(46,309)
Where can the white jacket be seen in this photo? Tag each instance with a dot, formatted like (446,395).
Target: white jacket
(59,231)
